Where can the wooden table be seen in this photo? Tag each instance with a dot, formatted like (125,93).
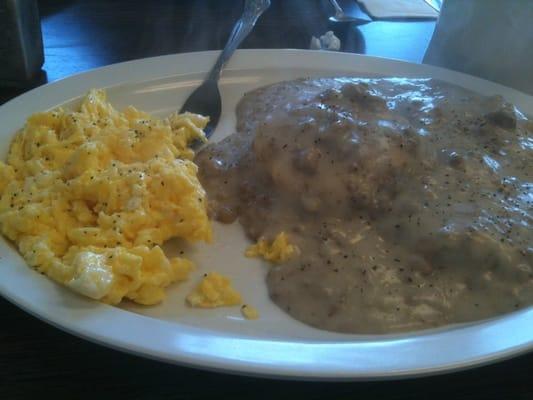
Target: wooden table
(37,359)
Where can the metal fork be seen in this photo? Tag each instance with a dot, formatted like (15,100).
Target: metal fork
(206,98)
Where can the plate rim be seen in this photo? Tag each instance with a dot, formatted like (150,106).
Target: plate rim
(94,330)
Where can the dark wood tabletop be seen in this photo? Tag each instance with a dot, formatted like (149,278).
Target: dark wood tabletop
(37,359)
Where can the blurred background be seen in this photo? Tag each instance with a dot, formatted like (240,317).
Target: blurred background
(492,39)
(82,34)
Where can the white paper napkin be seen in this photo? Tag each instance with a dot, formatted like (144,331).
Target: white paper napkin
(399,9)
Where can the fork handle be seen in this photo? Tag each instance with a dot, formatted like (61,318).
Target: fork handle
(338,10)
(252,11)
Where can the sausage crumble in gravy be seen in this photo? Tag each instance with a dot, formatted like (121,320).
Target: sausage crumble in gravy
(410,200)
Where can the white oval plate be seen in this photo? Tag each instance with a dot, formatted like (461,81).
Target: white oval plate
(275,345)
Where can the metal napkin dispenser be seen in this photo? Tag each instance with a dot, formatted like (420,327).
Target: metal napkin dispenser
(21,44)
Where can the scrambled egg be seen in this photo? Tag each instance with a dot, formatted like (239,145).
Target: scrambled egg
(89,196)
(278,251)
(249,312)
(214,290)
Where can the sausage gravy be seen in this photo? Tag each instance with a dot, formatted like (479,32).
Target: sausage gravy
(410,200)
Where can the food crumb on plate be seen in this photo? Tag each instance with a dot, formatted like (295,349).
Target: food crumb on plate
(214,290)
(278,251)
(249,312)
